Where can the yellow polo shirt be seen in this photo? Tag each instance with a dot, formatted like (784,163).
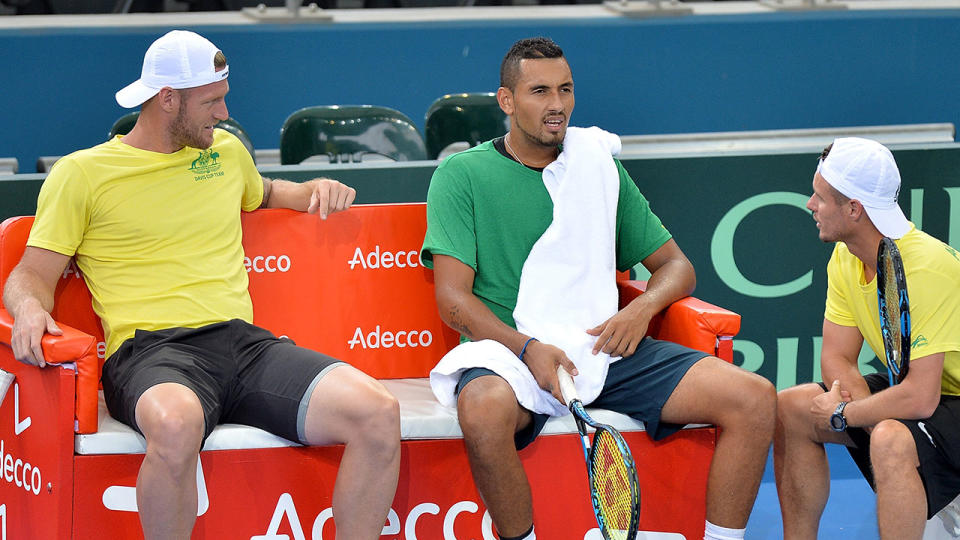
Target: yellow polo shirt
(156,236)
(932,271)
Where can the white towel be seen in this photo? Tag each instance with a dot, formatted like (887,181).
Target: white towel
(568,281)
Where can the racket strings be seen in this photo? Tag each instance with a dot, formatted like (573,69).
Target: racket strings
(891,297)
(611,479)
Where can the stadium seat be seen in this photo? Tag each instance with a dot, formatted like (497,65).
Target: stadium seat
(9,165)
(470,118)
(125,123)
(348,132)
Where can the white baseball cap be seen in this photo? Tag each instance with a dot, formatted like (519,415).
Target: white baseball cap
(178,59)
(864,170)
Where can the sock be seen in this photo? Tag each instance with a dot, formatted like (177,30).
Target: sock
(716,532)
(529,535)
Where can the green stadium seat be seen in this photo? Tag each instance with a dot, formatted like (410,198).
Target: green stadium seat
(469,118)
(348,132)
(125,123)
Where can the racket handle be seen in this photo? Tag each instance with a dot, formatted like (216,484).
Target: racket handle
(567,388)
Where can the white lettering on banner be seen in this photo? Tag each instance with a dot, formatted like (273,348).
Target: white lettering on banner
(270,263)
(19,472)
(465,506)
(3,521)
(386,339)
(410,528)
(19,426)
(386,259)
(392,526)
(486,527)
(286,507)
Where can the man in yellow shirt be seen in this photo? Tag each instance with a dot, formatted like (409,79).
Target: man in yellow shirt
(905,438)
(153,220)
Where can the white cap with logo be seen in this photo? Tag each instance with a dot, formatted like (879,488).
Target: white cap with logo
(864,170)
(179,59)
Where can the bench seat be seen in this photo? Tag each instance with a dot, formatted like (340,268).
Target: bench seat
(421,417)
(353,287)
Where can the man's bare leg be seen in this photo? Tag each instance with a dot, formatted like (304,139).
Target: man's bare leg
(800,462)
(349,407)
(743,406)
(172,422)
(901,499)
(489,417)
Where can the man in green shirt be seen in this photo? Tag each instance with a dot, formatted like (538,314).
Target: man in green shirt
(486,208)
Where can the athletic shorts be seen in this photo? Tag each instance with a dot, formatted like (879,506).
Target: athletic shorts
(938,447)
(637,385)
(241,373)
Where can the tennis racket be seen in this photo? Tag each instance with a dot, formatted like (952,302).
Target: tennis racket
(612,474)
(894,310)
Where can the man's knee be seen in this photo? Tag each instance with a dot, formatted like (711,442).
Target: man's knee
(172,421)
(760,397)
(793,405)
(755,405)
(892,447)
(487,407)
(348,406)
(371,414)
(379,417)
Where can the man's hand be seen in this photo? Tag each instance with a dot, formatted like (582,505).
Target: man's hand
(29,326)
(826,403)
(329,196)
(621,334)
(542,360)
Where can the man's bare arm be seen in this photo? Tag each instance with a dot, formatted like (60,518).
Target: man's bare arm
(838,359)
(914,398)
(320,195)
(28,297)
(671,278)
(467,314)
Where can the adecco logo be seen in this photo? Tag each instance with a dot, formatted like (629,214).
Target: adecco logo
(385,259)
(19,472)
(286,509)
(405,528)
(386,339)
(269,263)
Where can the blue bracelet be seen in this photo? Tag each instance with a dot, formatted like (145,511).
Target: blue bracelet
(524,349)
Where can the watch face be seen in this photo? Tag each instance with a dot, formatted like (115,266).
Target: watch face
(838,422)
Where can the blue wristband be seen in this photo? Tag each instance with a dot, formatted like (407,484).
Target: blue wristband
(524,349)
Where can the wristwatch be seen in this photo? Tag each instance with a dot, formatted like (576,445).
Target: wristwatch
(838,422)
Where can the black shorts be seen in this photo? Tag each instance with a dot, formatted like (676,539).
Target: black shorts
(241,373)
(938,447)
(637,385)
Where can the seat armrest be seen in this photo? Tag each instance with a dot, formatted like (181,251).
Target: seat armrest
(690,322)
(72,350)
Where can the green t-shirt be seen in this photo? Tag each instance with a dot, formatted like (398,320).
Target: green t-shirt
(488,211)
